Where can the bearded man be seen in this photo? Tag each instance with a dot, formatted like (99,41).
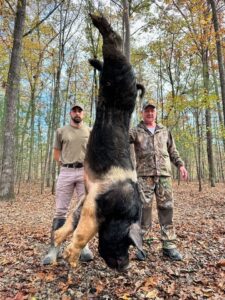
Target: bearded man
(69,152)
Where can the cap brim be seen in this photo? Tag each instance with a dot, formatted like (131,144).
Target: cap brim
(149,105)
(77,106)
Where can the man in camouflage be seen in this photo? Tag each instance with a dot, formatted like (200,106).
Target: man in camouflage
(155,149)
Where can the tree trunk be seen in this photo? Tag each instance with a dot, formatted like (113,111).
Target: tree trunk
(199,158)
(31,150)
(127,29)
(219,54)
(94,97)
(161,84)
(220,162)
(11,98)
(217,102)
(45,174)
(21,150)
(56,117)
(208,119)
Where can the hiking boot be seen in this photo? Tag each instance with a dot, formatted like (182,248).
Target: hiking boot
(53,252)
(140,255)
(173,254)
(51,257)
(86,254)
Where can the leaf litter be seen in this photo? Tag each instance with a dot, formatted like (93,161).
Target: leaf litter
(199,221)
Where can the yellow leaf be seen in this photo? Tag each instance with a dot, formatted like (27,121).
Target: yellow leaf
(126,297)
(152,294)
(207,292)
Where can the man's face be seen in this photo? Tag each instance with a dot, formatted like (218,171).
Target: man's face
(149,115)
(77,114)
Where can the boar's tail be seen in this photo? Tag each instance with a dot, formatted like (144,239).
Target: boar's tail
(97,64)
(142,88)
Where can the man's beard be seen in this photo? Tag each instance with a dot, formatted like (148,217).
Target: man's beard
(77,120)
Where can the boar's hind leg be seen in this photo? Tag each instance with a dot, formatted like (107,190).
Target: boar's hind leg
(61,234)
(86,229)
(71,223)
(102,24)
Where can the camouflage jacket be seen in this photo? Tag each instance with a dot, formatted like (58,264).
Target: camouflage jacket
(154,152)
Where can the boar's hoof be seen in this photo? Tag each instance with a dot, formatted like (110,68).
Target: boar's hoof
(70,255)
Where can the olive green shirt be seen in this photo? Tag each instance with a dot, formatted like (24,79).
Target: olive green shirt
(72,142)
(154,152)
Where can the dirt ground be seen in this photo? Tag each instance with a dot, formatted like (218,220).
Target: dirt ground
(200,226)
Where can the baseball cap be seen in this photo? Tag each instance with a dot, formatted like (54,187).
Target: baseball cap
(150,103)
(77,104)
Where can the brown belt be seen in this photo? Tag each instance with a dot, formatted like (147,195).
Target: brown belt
(74,165)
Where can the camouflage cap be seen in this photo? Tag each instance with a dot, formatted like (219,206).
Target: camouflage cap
(77,104)
(150,103)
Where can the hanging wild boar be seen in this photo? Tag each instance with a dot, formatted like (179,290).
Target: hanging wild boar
(112,206)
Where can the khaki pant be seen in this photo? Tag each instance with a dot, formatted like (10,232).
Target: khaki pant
(161,187)
(70,180)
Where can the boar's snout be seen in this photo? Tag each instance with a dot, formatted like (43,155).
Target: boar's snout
(120,264)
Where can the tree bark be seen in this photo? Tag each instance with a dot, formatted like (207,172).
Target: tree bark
(20,156)
(208,119)
(219,54)
(33,110)
(218,104)
(220,162)
(11,99)
(127,29)
(199,157)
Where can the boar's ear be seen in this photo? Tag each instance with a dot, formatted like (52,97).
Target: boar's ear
(141,88)
(135,235)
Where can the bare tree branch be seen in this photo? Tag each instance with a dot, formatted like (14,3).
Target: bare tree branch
(10,6)
(44,19)
(120,6)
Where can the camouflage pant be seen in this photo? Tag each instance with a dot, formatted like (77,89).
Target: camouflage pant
(161,187)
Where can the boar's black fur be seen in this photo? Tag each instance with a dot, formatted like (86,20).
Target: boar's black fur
(108,147)
(112,206)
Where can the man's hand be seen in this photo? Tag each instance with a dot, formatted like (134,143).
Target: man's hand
(56,155)
(183,173)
